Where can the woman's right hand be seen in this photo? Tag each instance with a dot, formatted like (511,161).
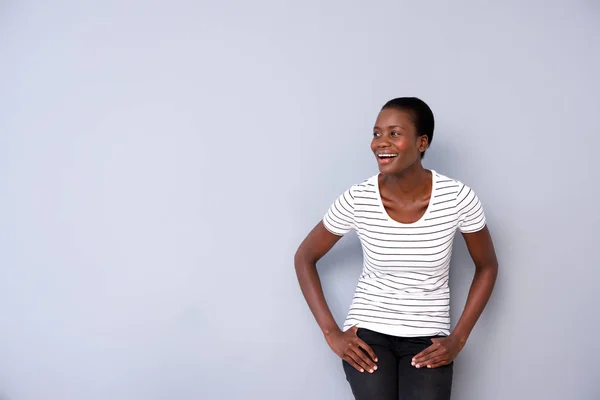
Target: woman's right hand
(350,348)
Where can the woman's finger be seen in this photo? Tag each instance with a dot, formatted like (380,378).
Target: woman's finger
(368,349)
(427,358)
(430,349)
(352,360)
(439,364)
(435,361)
(355,365)
(362,358)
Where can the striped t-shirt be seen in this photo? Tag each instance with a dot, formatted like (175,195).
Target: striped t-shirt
(403,289)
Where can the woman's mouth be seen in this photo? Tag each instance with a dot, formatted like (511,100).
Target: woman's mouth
(386,158)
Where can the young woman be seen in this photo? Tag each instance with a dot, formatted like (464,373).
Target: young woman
(396,341)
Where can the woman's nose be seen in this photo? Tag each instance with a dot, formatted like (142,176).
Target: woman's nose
(383,142)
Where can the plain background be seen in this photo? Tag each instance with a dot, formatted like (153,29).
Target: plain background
(160,162)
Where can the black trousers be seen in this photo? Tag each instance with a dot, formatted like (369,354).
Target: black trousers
(395,377)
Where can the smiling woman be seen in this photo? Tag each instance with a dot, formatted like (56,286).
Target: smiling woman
(396,341)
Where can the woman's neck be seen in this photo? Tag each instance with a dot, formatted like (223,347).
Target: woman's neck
(411,183)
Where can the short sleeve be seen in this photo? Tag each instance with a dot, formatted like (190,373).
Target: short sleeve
(339,219)
(471,217)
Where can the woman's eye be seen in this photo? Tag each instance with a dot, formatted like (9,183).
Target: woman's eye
(395,133)
(376,134)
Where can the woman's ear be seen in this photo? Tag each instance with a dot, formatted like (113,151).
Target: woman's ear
(423,143)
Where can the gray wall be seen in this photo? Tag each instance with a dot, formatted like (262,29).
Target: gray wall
(161,161)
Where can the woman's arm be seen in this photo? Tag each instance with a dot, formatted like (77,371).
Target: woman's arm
(483,254)
(318,242)
(444,350)
(347,345)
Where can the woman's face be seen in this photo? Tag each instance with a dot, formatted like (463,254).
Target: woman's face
(395,142)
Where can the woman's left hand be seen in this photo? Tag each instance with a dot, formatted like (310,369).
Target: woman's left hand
(442,352)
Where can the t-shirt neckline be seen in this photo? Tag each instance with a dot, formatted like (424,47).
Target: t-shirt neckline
(392,220)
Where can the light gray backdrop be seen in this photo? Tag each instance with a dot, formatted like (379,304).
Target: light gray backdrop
(160,161)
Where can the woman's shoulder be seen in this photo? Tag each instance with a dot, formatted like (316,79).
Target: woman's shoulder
(366,185)
(367,182)
(443,180)
(463,194)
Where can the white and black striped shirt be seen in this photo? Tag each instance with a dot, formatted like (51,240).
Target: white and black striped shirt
(403,289)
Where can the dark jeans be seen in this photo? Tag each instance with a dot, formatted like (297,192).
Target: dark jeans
(395,377)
